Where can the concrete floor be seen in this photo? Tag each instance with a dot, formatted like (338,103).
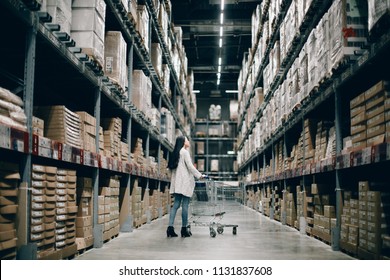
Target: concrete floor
(257,238)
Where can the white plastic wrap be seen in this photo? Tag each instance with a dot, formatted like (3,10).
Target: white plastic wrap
(376,10)
(6,95)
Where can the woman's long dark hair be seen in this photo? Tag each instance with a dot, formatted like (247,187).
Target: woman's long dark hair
(174,156)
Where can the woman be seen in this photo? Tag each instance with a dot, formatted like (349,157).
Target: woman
(182,183)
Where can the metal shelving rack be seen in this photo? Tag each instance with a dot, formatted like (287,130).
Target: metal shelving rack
(336,91)
(216,154)
(39,28)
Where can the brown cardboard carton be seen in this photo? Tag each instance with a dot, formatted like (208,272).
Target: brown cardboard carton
(357,101)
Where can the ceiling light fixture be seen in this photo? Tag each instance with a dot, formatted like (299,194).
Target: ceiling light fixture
(222,5)
(231,91)
(220,42)
(221,18)
(218,82)
(221,31)
(219,68)
(219,61)
(196,91)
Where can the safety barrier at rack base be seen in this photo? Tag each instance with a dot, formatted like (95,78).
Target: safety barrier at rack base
(369,155)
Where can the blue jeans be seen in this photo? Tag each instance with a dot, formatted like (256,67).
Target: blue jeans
(184,201)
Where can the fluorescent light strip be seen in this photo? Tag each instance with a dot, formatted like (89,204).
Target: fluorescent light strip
(218,82)
(221,31)
(220,42)
(219,68)
(222,4)
(231,91)
(196,91)
(219,61)
(221,18)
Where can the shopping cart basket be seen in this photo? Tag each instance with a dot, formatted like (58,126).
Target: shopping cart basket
(209,204)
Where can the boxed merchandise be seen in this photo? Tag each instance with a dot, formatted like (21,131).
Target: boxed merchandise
(143,25)
(201,165)
(214,165)
(142,91)
(89,35)
(61,124)
(348,23)
(115,52)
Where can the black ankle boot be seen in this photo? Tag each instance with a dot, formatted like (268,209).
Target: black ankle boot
(171,232)
(184,232)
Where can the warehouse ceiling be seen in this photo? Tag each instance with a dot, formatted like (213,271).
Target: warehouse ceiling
(201,24)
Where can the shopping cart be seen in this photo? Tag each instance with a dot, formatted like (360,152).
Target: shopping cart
(209,204)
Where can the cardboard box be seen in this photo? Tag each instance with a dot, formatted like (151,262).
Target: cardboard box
(364,186)
(374,90)
(329,211)
(378,119)
(357,101)
(358,119)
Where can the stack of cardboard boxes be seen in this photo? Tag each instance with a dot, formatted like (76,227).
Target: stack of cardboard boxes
(138,152)
(373,218)
(291,210)
(43,209)
(88,131)
(141,93)
(84,220)
(38,126)
(112,129)
(108,206)
(66,209)
(115,53)
(53,211)
(9,182)
(89,35)
(61,124)
(324,212)
(142,25)
(136,208)
(370,117)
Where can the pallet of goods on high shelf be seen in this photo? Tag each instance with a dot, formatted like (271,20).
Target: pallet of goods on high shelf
(142,92)
(9,189)
(115,52)
(143,25)
(89,35)
(11,110)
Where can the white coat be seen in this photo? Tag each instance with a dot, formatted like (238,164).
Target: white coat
(182,179)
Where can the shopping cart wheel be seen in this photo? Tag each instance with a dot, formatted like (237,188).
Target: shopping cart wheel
(234,230)
(212,232)
(220,229)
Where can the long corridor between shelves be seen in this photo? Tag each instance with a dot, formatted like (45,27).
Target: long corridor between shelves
(258,238)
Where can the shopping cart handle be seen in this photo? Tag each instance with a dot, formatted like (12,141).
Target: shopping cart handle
(204,176)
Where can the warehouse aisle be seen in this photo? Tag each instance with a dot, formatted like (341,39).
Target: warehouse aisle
(257,237)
